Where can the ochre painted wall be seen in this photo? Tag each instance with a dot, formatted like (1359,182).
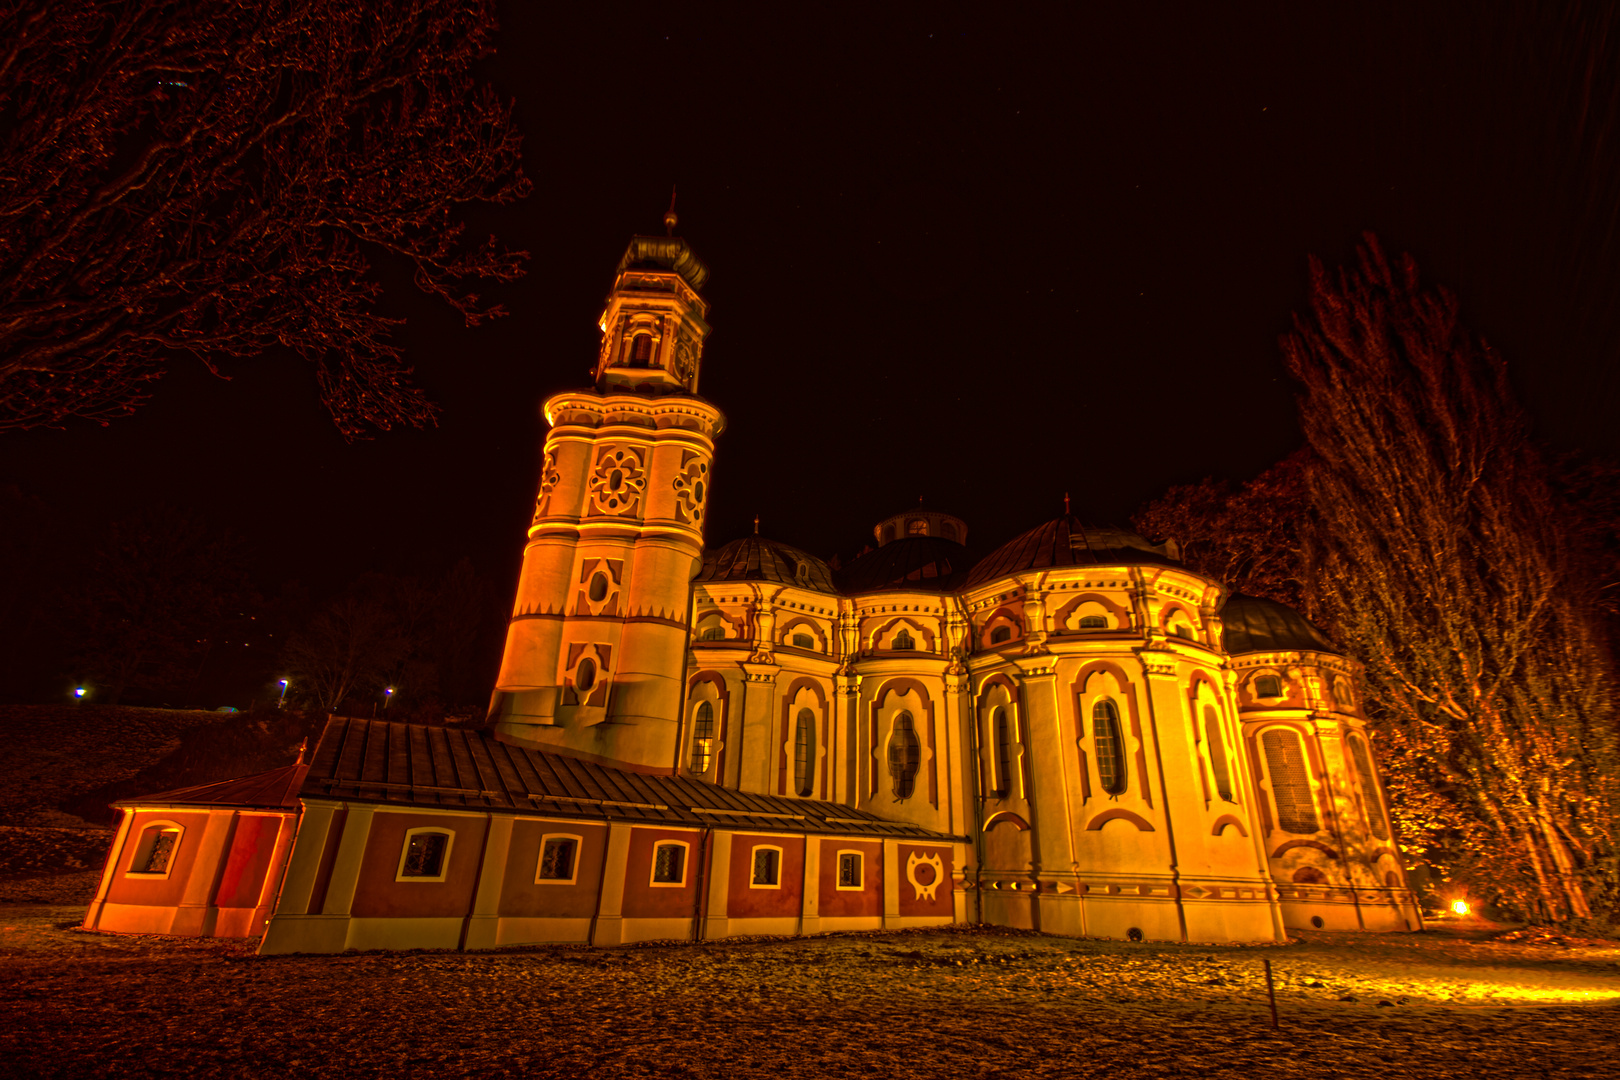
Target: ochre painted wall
(378,895)
(158,891)
(787,899)
(521,896)
(836,902)
(910,902)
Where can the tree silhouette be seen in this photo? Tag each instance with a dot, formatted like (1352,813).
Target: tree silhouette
(209,177)
(1441,556)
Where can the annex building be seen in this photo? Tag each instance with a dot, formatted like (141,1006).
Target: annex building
(1075,733)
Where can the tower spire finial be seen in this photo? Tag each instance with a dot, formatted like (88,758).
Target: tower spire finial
(670,220)
(756,524)
(1065,504)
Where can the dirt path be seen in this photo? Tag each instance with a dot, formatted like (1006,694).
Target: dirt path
(960,1003)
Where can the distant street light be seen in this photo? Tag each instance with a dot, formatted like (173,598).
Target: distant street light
(78,693)
(388,695)
(283,700)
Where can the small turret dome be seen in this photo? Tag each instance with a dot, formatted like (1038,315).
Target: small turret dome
(1255,624)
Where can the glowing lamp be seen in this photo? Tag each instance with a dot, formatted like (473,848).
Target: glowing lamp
(1460,907)
(78,691)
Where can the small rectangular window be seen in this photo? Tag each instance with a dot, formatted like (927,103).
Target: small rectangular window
(669,864)
(804,641)
(424,855)
(559,856)
(767,868)
(849,869)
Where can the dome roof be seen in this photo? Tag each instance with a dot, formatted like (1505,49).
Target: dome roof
(1068,542)
(753,558)
(1253,624)
(931,563)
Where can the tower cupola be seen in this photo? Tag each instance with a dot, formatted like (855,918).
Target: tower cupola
(653,326)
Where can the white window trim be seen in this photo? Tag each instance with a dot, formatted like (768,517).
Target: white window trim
(405,852)
(753,862)
(686,865)
(860,861)
(573,875)
(143,849)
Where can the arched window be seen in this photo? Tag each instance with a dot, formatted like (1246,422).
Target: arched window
(711,633)
(905,756)
(917,527)
(155,853)
(1216,748)
(1310,875)
(803,641)
(1110,746)
(902,640)
(1290,781)
(585,675)
(1001,729)
(947,530)
(804,753)
(1093,622)
(1369,786)
(1267,686)
(641,350)
(1000,634)
(702,738)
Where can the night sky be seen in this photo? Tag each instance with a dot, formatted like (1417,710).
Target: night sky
(982,258)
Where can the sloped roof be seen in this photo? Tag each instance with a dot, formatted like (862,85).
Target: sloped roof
(931,563)
(273,790)
(1066,541)
(458,768)
(753,558)
(1254,624)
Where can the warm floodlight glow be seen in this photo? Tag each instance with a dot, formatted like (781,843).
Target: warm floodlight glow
(283,682)
(78,691)
(1460,907)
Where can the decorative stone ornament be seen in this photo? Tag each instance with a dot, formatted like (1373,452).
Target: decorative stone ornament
(617,481)
(934,872)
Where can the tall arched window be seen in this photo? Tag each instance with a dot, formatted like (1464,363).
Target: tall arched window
(702,738)
(905,756)
(1369,786)
(1216,748)
(1001,730)
(902,640)
(1290,781)
(641,350)
(804,753)
(1110,745)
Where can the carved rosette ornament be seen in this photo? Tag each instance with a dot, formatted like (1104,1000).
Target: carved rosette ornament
(549,477)
(618,481)
(691,488)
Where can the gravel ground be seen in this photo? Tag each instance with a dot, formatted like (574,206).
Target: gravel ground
(960,1003)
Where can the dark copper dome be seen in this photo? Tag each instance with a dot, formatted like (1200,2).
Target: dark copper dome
(1253,624)
(1068,542)
(753,558)
(929,563)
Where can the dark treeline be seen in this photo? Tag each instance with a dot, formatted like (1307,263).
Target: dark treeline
(163,608)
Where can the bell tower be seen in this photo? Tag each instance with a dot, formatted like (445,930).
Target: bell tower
(596,647)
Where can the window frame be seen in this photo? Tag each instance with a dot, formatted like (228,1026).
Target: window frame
(1001,741)
(804,739)
(573,868)
(1268,676)
(753,867)
(686,861)
(860,871)
(1284,733)
(146,841)
(1215,750)
(1120,756)
(913,740)
(444,859)
(1001,634)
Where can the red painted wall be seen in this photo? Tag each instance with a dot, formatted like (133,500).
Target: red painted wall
(521,896)
(641,899)
(378,895)
(251,849)
(869,901)
(743,901)
(910,903)
(154,891)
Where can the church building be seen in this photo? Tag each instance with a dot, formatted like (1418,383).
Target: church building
(1075,734)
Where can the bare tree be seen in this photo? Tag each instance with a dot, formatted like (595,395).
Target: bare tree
(354,644)
(209,178)
(1441,556)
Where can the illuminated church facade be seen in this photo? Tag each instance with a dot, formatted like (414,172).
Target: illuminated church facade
(1075,734)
